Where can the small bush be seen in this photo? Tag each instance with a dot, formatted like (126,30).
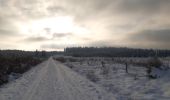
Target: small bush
(152,77)
(91,76)
(70,66)
(15,64)
(155,62)
(105,69)
(3,78)
(72,60)
(61,59)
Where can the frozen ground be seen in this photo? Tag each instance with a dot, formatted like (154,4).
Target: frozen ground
(134,85)
(52,80)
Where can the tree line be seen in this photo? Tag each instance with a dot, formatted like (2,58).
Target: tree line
(114,52)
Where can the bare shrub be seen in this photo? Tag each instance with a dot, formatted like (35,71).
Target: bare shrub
(16,64)
(105,69)
(60,59)
(126,65)
(155,62)
(91,76)
(70,66)
(72,59)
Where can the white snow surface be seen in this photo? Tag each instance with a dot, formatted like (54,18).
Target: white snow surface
(52,80)
(134,85)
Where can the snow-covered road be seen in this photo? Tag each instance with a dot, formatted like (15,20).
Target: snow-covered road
(52,80)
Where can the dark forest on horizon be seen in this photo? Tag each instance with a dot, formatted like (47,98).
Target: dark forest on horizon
(114,52)
(91,52)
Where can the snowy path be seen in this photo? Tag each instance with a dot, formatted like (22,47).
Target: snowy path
(52,80)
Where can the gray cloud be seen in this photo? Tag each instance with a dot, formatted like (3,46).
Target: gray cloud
(56,9)
(127,15)
(162,35)
(86,9)
(60,35)
(151,38)
(36,39)
(6,32)
(45,39)
(100,43)
(7,28)
(95,8)
(143,6)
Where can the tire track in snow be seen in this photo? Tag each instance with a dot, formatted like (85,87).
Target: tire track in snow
(80,86)
(32,88)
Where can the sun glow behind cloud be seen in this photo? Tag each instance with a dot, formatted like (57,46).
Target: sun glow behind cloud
(58,24)
(48,26)
(53,32)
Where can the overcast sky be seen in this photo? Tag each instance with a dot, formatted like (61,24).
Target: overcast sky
(55,24)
